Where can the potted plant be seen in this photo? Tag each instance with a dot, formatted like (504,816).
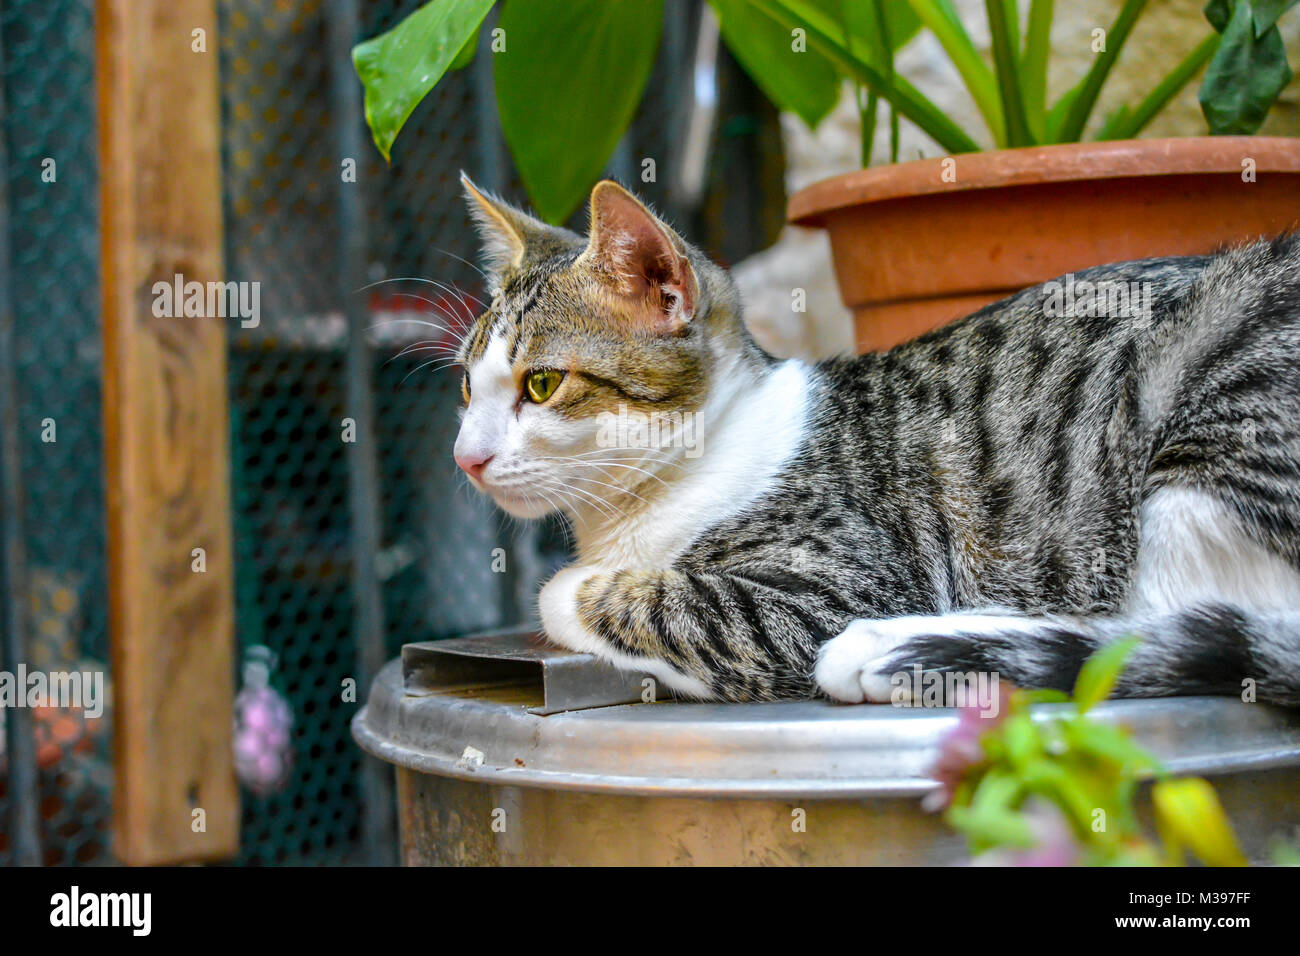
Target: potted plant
(921,243)
(917,243)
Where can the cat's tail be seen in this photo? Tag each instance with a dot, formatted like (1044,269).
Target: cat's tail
(1215,649)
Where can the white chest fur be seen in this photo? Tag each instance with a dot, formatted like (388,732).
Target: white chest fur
(749,432)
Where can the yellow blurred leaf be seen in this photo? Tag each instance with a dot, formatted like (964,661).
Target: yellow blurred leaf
(1190,817)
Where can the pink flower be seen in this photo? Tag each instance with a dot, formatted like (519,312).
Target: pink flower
(960,750)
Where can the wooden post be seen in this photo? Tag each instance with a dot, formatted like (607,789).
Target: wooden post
(166,433)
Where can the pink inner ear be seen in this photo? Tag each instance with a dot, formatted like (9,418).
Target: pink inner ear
(639,253)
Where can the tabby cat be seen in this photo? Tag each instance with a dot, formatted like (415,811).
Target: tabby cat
(1002,496)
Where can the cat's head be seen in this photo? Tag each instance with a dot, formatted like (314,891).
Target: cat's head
(586,376)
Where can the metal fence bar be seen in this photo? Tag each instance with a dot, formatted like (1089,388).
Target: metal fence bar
(491,149)
(20,739)
(363,467)
(677,16)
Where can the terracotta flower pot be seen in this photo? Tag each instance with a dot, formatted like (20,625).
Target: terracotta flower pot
(920,244)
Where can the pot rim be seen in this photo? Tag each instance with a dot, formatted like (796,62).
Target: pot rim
(1036,165)
(792,749)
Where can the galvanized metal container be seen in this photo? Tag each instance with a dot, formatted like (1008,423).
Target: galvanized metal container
(494,768)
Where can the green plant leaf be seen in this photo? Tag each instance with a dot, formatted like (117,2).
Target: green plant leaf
(867,117)
(987,828)
(568,84)
(1266,13)
(1089,88)
(1069,791)
(1219,12)
(400,67)
(1100,671)
(1044,696)
(1033,65)
(1245,76)
(823,34)
(1011,13)
(1022,739)
(1126,123)
(1006,56)
(1110,744)
(941,19)
(885,43)
(996,790)
(859,17)
(804,83)
(466,55)
(1056,115)
(1117,120)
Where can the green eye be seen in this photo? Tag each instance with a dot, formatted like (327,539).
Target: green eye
(541,385)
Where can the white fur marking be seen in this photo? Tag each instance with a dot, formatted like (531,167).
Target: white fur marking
(1194,549)
(492,396)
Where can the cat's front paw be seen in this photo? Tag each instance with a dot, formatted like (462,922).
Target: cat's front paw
(558,604)
(854,666)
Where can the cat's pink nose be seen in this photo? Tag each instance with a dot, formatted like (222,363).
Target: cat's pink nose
(473,464)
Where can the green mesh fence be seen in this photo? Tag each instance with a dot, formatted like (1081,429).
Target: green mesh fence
(50,176)
(296,519)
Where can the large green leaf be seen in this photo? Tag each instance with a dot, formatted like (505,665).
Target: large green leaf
(568,83)
(859,16)
(400,67)
(1264,13)
(803,82)
(1247,73)
(466,55)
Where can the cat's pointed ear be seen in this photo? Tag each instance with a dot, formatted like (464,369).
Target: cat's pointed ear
(506,232)
(642,257)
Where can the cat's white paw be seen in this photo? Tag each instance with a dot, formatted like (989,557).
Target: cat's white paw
(558,604)
(855,666)
(850,666)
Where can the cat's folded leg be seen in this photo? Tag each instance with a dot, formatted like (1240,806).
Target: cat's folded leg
(565,624)
(708,636)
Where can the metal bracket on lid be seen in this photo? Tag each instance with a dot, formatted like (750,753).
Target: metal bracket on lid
(568,680)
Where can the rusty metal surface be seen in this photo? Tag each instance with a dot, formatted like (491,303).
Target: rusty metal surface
(448,822)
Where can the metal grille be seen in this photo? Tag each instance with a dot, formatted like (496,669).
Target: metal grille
(49,134)
(348,274)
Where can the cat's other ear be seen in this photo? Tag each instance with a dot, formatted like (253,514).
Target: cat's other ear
(642,257)
(506,232)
